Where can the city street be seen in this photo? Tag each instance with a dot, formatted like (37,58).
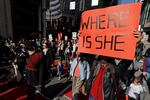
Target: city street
(17,91)
(74,49)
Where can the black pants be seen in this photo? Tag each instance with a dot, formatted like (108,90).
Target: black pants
(61,54)
(43,77)
(32,77)
(21,68)
(148,84)
(32,80)
(31,92)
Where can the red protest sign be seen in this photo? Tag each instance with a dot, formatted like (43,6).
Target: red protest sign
(59,35)
(109,31)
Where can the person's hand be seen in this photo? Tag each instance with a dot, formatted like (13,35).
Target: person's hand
(85,94)
(137,35)
(79,34)
(144,73)
(69,78)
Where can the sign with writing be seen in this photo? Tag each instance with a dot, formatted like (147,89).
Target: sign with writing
(66,38)
(72,5)
(59,35)
(50,38)
(74,35)
(109,31)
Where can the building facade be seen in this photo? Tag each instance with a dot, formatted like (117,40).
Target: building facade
(145,16)
(5,19)
(19,18)
(59,17)
(25,17)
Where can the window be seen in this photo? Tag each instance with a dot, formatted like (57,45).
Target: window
(94,2)
(72,5)
(82,4)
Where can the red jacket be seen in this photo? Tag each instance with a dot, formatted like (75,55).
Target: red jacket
(33,61)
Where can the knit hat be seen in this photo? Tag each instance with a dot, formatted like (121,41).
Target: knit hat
(31,46)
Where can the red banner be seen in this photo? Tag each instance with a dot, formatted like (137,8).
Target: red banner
(109,31)
(59,35)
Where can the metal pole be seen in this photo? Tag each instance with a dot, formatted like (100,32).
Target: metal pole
(44,18)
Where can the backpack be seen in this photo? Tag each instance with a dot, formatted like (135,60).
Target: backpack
(148,65)
(147,55)
(139,48)
(21,58)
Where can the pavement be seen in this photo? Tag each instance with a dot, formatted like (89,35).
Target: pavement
(55,87)
(17,91)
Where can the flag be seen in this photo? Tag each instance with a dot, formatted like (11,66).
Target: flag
(54,10)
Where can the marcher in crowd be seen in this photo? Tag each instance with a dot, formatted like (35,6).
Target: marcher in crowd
(136,87)
(146,67)
(48,60)
(68,54)
(61,50)
(32,67)
(80,71)
(59,69)
(101,84)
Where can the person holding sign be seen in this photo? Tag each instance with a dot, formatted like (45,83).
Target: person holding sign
(101,83)
(108,32)
(80,71)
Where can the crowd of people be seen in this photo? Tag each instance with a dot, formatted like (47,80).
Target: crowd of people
(98,77)
(107,78)
(34,61)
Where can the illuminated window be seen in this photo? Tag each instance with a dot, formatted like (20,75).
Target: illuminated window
(72,5)
(94,3)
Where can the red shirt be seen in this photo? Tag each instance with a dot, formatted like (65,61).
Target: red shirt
(34,60)
(77,71)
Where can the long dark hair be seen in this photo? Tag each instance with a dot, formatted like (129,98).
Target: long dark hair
(147,53)
(110,60)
